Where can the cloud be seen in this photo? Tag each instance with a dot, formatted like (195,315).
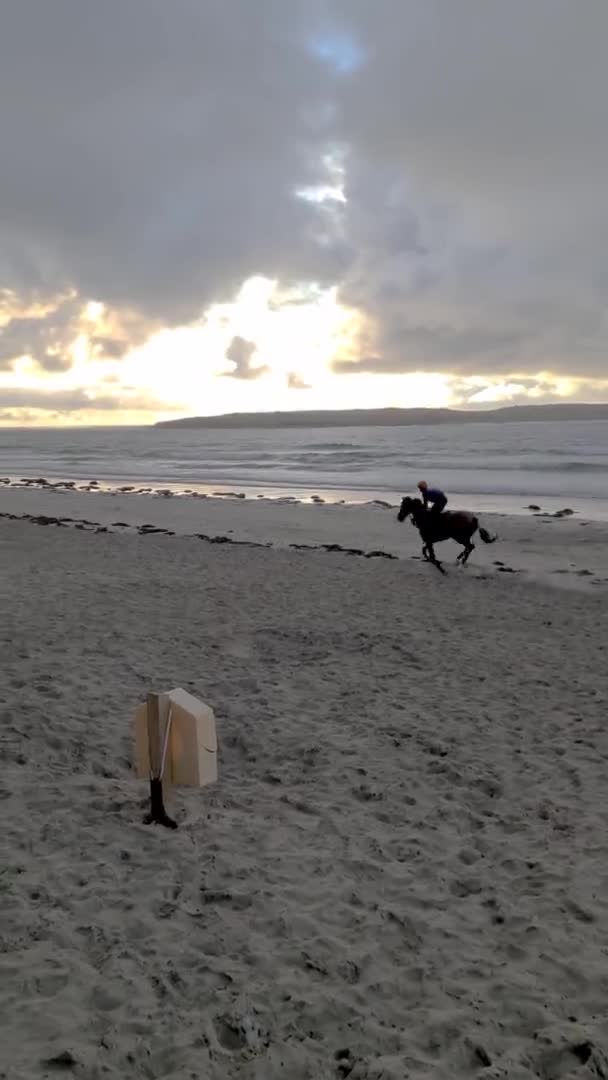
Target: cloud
(77,400)
(240,353)
(45,336)
(153,155)
(117,330)
(475,170)
(545,388)
(47,333)
(424,348)
(296,382)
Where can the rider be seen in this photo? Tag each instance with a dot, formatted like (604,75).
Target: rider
(434,496)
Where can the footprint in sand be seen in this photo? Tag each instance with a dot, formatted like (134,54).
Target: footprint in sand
(238,1033)
(567,1052)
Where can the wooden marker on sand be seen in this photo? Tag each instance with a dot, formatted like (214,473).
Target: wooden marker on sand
(157,758)
(175,742)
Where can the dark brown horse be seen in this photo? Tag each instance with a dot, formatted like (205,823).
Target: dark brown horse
(458,525)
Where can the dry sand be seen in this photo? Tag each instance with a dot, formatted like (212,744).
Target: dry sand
(403,869)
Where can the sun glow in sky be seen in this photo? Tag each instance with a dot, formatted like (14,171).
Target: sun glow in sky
(185,371)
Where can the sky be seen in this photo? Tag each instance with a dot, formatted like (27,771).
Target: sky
(229,206)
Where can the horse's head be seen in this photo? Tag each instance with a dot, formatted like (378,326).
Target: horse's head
(408,506)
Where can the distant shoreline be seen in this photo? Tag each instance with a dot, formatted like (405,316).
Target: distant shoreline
(336,418)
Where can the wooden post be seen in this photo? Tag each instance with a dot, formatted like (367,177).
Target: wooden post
(158,814)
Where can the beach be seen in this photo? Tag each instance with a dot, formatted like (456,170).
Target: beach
(401,871)
(568,551)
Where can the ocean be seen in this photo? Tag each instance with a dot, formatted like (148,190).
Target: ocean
(490,467)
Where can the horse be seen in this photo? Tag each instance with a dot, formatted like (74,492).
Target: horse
(458,525)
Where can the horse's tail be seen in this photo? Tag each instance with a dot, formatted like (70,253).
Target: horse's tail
(486,536)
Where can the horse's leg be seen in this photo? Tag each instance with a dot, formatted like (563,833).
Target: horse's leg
(469,546)
(467,551)
(464,539)
(433,558)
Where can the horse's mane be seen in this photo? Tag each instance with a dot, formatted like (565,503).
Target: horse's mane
(413,502)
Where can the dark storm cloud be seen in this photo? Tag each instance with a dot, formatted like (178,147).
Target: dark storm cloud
(151,153)
(476,171)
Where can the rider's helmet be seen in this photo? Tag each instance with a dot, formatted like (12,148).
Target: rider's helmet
(422,485)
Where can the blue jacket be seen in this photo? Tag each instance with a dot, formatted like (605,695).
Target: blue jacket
(433,495)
